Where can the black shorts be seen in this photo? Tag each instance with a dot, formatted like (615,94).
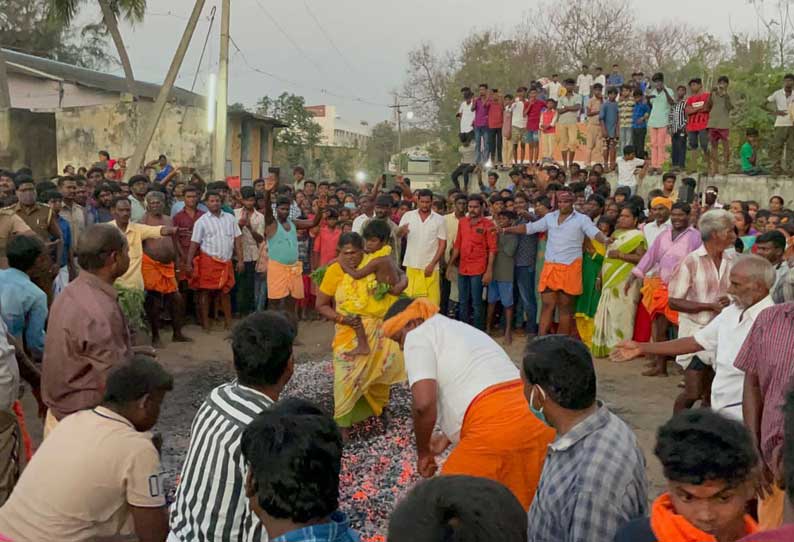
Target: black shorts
(699,139)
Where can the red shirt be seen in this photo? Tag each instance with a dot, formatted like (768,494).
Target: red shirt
(325,243)
(495,115)
(475,241)
(700,120)
(185,224)
(532,111)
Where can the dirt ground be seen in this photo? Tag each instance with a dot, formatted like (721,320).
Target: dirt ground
(644,403)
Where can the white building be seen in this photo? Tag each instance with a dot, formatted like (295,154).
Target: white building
(339,131)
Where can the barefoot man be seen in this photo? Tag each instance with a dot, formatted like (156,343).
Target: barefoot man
(159,264)
(462,380)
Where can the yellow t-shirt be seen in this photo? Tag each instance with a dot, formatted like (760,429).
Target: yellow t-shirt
(136,235)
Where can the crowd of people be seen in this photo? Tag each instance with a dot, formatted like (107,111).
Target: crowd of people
(609,112)
(418,286)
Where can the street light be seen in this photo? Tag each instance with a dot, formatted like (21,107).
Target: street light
(409,115)
(361,176)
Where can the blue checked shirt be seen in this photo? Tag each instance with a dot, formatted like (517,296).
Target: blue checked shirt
(337,530)
(593,482)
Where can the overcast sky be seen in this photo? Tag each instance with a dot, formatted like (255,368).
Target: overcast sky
(373,38)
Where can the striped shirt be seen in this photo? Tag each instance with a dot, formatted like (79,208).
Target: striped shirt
(677,118)
(698,279)
(216,234)
(766,353)
(210,501)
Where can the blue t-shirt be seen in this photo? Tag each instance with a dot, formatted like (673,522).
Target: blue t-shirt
(640,110)
(66,235)
(610,113)
(163,173)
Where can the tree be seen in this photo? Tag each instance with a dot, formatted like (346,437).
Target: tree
(779,26)
(236,107)
(381,146)
(301,135)
(132,11)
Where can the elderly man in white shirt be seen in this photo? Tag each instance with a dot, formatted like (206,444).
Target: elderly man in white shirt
(751,278)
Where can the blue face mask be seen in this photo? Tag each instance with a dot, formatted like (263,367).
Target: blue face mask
(350,205)
(538,412)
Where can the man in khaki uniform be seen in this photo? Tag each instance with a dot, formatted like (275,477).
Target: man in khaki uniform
(10,224)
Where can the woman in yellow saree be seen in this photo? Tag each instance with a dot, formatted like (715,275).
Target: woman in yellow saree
(614,318)
(362,376)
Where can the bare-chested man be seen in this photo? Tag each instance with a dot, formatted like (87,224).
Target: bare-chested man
(159,266)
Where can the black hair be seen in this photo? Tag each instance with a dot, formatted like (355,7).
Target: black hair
(247,192)
(564,369)
(598,199)
(105,154)
(350,238)
(191,188)
(635,210)
(637,92)
(22,251)
(475,197)
(117,200)
(669,175)
(97,170)
(135,179)
(598,86)
(655,193)
(397,307)
(50,195)
(569,81)
(377,229)
(383,200)
(723,79)
(637,201)
(543,200)
(96,243)
(493,174)
(23,178)
(262,347)
(751,132)
(763,213)
(212,192)
(775,237)
(510,215)
(132,380)
(332,213)
(458,508)
(658,76)
(789,76)
(699,445)
(424,193)
(299,169)
(608,221)
(623,190)
(629,149)
(696,80)
(283,200)
(612,90)
(294,455)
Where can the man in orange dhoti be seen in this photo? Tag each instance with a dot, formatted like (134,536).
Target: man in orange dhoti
(463,381)
(216,238)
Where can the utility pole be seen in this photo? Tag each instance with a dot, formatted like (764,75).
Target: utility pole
(5,116)
(398,114)
(136,162)
(219,148)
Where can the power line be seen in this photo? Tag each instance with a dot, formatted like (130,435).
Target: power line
(204,48)
(327,36)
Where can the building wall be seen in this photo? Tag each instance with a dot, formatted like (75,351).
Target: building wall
(36,93)
(33,142)
(181,134)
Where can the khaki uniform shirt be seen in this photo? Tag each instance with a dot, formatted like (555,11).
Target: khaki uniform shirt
(10,224)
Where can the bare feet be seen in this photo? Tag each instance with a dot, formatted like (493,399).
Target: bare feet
(179,338)
(655,372)
(360,350)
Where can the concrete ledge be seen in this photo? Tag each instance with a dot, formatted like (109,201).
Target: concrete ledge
(731,187)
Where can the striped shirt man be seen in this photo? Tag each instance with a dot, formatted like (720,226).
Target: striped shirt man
(216,234)
(676,120)
(210,501)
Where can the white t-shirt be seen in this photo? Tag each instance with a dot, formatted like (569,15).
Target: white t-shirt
(423,237)
(601,79)
(358,223)
(466,117)
(782,103)
(626,171)
(462,360)
(725,336)
(553,89)
(519,118)
(584,82)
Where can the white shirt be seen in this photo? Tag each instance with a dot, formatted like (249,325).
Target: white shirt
(423,238)
(601,79)
(466,117)
(782,103)
(359,222)
(725,336)
(250,246)
(584,81)
(553,89)
(652,230)
(626,171)
(216,234)
(462,360)
(9,371)
(519,119)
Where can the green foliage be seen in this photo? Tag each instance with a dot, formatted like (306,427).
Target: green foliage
(302,134)
(131,11)
(131,303)
(236,107)
(380,148)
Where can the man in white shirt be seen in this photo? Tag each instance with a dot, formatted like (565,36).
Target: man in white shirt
(252,226)
(627,166)
(466,115)
(367,206)
(584,81)
(779,104)
(519,125)
(600,78)
(751,278)
(553,88)
(660,209)
(427,239)
(463,382)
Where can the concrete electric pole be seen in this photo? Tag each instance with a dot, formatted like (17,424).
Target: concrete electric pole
(219,146)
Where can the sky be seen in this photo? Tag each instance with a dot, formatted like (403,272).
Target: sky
(349,53)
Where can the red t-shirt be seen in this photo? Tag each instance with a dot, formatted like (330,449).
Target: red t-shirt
(532,111)
(475,241)
(325,243)
(548,117)
(700,120)
(495,115)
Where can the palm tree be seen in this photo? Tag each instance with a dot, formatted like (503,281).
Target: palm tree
(130,10)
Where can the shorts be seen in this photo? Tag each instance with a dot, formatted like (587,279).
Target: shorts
(719,134)
(567,137)
(531,136)
(517,134)
(466,136)
(501,291)
(699,138)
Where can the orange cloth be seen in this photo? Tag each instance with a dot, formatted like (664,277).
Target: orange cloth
(421,307)
(157,276)
(668,526)
(561,277)
(212,274)
(23,429)
(284,280)
(502,440)
(770,509)
(655,299)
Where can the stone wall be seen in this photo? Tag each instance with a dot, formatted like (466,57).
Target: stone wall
(733,187)
(32,142)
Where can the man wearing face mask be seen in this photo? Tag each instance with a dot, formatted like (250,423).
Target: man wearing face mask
(462,381)
(593,478)
(750,280)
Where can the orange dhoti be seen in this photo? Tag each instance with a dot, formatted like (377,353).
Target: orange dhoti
(157,276)
(560,277)
(284,280)
(655,299)
(502,440)
(212,274)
